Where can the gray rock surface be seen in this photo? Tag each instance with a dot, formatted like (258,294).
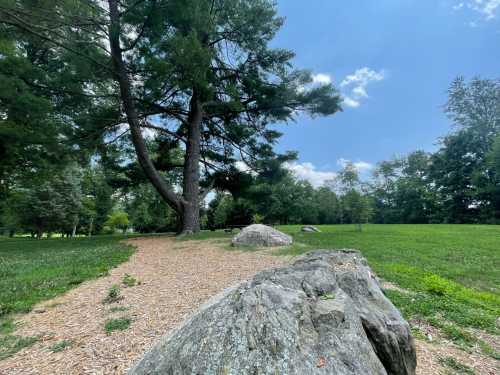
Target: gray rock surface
(310,229)
(261,235)
(324,314)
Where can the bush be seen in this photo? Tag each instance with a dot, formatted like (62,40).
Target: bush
(117,220)
(437,285)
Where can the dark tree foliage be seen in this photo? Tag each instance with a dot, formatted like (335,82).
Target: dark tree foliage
(198,72)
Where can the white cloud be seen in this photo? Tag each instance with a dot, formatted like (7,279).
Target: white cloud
(309,172)
(318,79)
(488,8)
(354,85)
(351,102)
(362,77)
(361,166)
(322,79)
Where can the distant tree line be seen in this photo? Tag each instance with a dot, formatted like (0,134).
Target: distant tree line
(49,186)
(459,183)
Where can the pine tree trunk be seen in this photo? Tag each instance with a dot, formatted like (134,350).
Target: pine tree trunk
(75,225)
(90,226)
(165,191)
(191,173)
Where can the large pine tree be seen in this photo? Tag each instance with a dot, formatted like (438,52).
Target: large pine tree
(198,73)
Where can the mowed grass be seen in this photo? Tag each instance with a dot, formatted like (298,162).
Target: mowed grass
(451,271)
(466,254)
(35,270)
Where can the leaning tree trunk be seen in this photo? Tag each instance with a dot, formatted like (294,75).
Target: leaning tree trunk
(191,173)
(75,225)
(165,191)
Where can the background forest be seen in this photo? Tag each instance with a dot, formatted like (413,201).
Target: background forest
(107,191)
(147,116)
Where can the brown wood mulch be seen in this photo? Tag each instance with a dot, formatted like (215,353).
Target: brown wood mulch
(176,278)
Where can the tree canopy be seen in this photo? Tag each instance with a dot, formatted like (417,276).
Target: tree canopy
(201,74)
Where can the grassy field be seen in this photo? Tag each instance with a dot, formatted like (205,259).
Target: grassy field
(451,272)
(32,271)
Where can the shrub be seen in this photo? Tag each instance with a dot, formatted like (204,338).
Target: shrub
(437,285)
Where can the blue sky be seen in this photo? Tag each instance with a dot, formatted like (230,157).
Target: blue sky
(393,60)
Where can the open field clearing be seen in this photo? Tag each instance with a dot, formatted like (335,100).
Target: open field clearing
(444,279)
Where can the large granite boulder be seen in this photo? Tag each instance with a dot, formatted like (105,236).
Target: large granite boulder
(324,314)
(261,235)
(310,229)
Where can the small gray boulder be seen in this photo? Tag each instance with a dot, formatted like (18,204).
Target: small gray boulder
(310,229)
(261,235)
(324,314)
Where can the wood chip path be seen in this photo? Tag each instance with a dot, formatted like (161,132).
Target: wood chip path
(176,278)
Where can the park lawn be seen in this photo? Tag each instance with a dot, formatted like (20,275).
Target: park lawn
(452,272)
(35,270)
(466,254)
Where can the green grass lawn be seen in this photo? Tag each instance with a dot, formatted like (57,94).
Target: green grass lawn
(466,254)
(452,271)
(35,270)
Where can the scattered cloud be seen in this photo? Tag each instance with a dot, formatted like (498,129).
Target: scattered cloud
(322,79)
(361,166)
(489,9)
(318,79)
(354,85)
(351,102)
(309,172)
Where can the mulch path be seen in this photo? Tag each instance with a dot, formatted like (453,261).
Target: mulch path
(176,277)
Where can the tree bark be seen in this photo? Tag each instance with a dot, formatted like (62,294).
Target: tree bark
(149,169)
(75,225)
(90,226)
(39,233)
(191,172)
